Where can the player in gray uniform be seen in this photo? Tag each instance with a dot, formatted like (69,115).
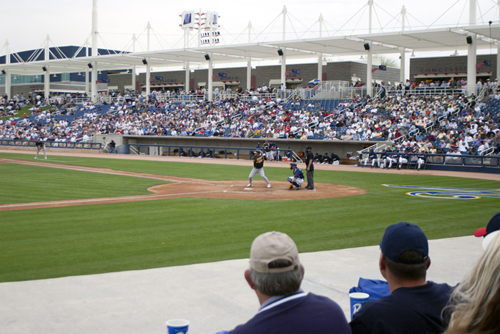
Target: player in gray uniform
(258,167)
(40,145)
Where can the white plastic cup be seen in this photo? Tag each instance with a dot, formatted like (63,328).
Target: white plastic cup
(177,326)
(357,300)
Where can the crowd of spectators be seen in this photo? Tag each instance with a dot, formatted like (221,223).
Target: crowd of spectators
(436,124)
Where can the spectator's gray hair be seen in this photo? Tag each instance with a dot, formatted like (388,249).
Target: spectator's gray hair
(278,284)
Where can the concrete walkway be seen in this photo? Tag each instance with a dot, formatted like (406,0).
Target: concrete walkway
(213,296)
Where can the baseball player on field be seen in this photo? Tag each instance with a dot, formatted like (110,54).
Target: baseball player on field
(40,145)
(258,167)
(298,177)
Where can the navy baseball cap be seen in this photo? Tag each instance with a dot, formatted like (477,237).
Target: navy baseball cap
(402,237)
(293,164)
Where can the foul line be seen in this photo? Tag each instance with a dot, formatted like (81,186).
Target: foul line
(97,200)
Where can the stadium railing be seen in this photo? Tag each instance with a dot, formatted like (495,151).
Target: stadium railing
(463,163)
(51,144)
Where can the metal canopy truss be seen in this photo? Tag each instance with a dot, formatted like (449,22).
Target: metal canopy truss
(444,39)
(448,39)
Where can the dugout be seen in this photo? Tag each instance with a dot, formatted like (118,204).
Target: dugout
(341,148)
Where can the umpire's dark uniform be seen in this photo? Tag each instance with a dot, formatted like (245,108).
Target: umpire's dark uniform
(310,168)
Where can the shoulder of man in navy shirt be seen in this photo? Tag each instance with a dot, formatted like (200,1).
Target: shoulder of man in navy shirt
(415,305)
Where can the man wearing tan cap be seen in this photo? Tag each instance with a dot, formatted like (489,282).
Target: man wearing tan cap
(276,274)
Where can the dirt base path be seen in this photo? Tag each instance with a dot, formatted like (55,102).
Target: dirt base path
(188,187)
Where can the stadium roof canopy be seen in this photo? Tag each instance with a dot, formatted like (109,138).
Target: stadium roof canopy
(443,39)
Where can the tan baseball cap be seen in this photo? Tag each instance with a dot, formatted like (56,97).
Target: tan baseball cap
(272,246)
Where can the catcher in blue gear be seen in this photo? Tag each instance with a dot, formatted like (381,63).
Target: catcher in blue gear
(298,177)
(258,167)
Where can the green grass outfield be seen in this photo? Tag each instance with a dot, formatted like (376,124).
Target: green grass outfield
(81,240)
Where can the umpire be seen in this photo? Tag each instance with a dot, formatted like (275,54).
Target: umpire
(310,168)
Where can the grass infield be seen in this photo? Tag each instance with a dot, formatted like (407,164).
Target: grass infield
(81,240)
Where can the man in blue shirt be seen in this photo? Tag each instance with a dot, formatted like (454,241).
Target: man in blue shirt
(421,159)
(372,157)
(392,158)
(415,305)
(403,158)
(276,274)
(383,158)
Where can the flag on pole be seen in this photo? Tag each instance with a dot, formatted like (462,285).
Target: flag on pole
(287,73)
(374,69)
(479,65)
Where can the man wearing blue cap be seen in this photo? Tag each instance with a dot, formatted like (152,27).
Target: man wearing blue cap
(298,177)
(415,304)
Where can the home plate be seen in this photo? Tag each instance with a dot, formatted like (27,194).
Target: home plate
(247,189)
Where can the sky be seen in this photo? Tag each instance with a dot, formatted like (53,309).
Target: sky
(26,23)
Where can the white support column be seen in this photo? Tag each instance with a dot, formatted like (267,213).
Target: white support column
(283,67)
(8,82)
(320,66)
(498,62)
(94,82)
(187,78)
(87,86)
(370,10)
(284,12)
(472,51)
(320,55)
(95,37)
(134,78)
(472,12)
(249,73)
(249,60)
(46,84)
(498,50)
(210,73)
(369,86)
(86,71)
(402,70)
(471,65)
(148,35)
(250,31)
(283,58)
(148,77)
(199,28)
(46,79)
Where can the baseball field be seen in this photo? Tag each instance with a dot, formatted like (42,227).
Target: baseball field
(71,215)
